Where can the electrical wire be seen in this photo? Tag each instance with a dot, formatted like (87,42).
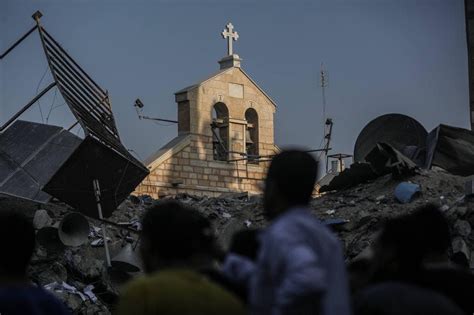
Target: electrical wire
(320,144)
(52,104)
(37,89)
(120,182)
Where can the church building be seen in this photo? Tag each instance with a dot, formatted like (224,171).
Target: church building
(225,136)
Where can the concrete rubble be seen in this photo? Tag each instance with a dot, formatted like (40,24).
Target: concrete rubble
(355,214)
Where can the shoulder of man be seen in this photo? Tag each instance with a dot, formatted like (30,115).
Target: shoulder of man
(299,224)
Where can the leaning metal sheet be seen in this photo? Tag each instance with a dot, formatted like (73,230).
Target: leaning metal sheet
(101,155)
(92,160)
(30,154)
(452,149)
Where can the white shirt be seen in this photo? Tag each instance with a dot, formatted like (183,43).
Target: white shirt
(300,269)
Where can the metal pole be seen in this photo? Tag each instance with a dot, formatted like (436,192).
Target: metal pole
(158,119)
(73,125)
(25,108)
(95,182)
(258,157)
(18,42)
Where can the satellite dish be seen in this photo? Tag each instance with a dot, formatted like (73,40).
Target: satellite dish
(400,131)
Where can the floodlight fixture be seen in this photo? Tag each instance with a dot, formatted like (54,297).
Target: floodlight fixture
(139,103)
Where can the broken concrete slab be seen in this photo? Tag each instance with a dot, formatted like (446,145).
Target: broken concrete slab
(385,159)
(356,174)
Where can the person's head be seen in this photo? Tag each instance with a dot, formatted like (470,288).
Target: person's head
(290,181)
(245,243)
(433,233)
(174,235)
(17,242)
(394,254)
(406,243)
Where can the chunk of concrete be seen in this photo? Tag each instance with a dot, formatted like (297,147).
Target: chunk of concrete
(41,219)
(462,228)
(460,248)
(87,268)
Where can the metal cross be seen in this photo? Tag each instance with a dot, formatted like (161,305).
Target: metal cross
(230,35)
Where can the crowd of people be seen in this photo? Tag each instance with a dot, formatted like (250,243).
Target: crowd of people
(293,266)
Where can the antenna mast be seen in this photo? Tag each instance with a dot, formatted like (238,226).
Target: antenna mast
(323,81)
(328,123)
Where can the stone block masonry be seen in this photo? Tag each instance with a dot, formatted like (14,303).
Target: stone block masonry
(206,177)
(228,105)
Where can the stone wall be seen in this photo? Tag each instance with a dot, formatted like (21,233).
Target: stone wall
(193,170)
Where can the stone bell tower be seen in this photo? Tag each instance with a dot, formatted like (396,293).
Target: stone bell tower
(225,135)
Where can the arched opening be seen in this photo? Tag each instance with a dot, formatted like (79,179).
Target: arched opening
(251,139)
(220,131)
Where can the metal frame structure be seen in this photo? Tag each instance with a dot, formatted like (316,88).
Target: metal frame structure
(339,157)
(88,102)
(90,105)
(103,170)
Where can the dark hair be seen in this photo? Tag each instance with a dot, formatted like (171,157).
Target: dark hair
(245,243)
(176,232)
(294,173)
(17,242)
(415,235)
(433,229)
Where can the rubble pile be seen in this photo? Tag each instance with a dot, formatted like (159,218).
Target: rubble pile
(79,277)
(366,206)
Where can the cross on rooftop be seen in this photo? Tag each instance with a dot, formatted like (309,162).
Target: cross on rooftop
(230,35)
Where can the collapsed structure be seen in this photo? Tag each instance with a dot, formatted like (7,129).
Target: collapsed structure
(38,161)
(400,145)
(225,136)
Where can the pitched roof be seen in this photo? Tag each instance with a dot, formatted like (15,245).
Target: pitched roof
(215,74)
(165,152)
(191,87)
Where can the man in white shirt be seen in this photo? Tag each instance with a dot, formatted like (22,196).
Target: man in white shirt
(300,268)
